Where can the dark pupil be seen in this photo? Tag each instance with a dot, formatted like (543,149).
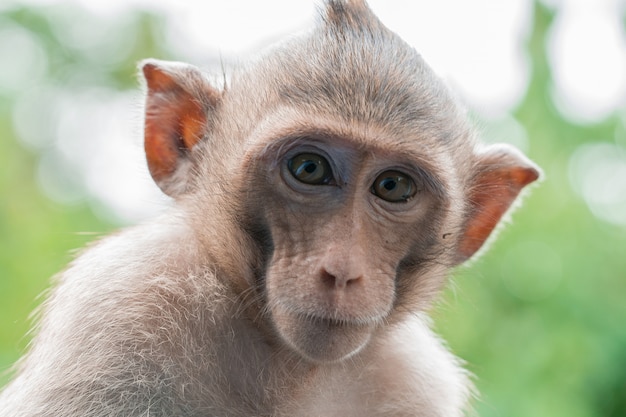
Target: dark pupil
(389,184)
(310,167)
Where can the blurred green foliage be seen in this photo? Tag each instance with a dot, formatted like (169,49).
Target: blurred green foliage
(540,318)
(37,235)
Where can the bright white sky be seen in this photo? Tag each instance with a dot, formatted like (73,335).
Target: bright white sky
(477,46)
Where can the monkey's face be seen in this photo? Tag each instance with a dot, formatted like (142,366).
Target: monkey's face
(361,181)
(344,222)
(356,207)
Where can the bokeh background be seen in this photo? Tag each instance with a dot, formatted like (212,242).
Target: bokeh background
(540,318)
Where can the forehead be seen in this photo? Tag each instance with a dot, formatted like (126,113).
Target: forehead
(291,124)
(357,70)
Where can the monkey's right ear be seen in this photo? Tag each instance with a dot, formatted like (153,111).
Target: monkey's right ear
(178,101)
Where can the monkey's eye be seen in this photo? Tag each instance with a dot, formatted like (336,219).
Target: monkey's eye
(310,168)
(394,186)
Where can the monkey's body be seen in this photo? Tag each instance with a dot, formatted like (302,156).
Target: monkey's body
(320,199)
(206,358)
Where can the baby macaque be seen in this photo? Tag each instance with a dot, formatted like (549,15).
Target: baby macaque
(321,197)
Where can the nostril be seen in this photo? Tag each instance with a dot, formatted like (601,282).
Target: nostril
(337,281)
(328,279)
(352,281)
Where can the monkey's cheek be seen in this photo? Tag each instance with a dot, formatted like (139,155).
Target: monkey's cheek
(321,340)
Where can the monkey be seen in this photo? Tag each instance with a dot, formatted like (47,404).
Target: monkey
(321,198)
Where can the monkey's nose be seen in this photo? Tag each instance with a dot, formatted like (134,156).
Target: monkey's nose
(338,280)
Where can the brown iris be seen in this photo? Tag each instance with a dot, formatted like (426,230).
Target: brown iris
(310,168)
(394,186)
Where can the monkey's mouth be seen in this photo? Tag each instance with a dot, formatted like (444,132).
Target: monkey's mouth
(322,339)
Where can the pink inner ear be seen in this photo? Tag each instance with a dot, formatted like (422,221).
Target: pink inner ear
(491,196)
(174,122)
(157,79)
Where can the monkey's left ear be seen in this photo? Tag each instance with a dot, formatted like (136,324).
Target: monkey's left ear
(499,176)
(178,101)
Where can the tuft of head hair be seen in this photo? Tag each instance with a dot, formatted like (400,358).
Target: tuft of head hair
(349,14)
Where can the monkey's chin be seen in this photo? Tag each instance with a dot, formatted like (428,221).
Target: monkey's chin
(321,340)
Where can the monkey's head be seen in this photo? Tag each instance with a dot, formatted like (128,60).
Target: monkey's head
(340,169)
